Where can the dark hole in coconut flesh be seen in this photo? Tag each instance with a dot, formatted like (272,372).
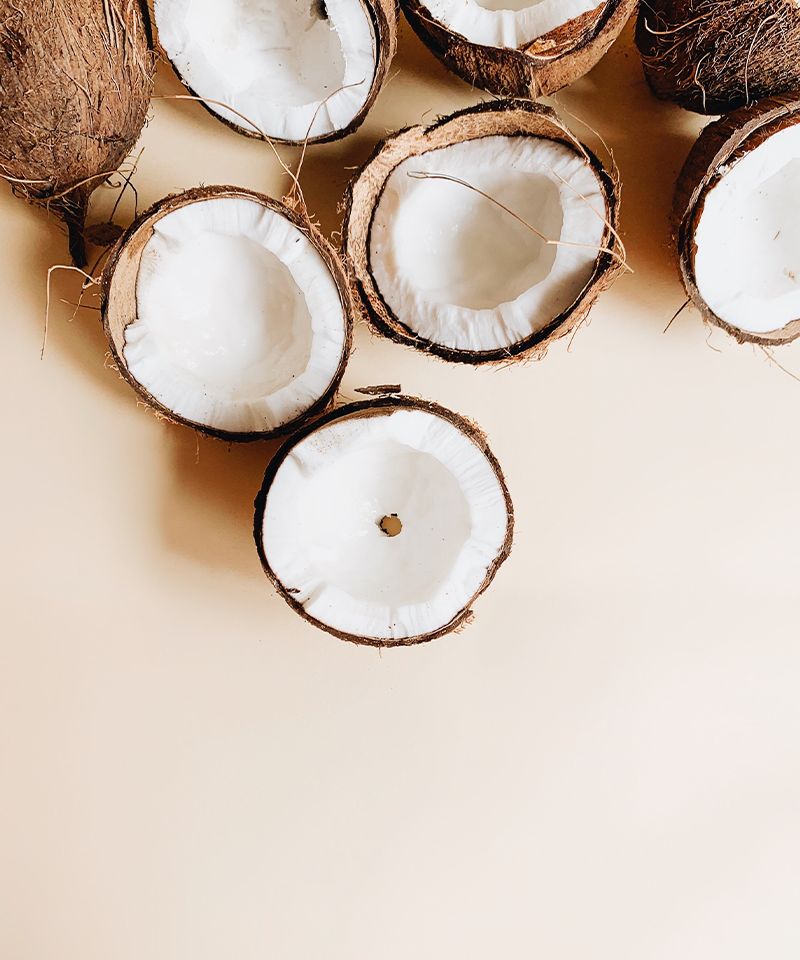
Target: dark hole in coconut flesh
(318,10)
(390,525)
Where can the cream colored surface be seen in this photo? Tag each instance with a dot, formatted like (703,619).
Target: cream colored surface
(604,766)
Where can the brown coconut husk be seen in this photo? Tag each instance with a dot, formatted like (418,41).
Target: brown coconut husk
(719,146)
(507,118)
(712,56)
(381,407)
(75,82)
(384,15)
(536,69)
(119,307)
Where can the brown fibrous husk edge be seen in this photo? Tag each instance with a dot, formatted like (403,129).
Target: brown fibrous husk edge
(384,15)
(719,146)
(384,406)
(119,309)
(75,82)
(536,69)
(712,56)
(506,118)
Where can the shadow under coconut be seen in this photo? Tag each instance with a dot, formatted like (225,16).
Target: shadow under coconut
(208,508)
(650,141)
(73,331)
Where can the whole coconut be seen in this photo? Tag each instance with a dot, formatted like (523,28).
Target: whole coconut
(75,83)
(712,56)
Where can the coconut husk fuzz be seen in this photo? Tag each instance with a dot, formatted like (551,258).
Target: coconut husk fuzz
(75,83)
(381,407)
(119,307)
(506,118)
(533,70)
(712,56)
(719,146)
(384,16)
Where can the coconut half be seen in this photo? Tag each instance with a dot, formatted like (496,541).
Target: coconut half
(289,69)
(518,48)
(227,312)
(447,227)
(737,206)
(383,521)
(712,56)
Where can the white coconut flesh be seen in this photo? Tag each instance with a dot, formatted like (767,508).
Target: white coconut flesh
(239,325)
(385,526)
(462,272)
(507,23)
(293,68)
(747,261)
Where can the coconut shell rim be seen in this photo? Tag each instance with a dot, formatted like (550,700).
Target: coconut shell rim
(383,406)
(535,71)
(337,269)
(606,270)
(722,142)
(385,32)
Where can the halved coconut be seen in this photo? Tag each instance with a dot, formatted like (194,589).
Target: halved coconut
(737,206)
(383,521)
(518,48)
(227,312)
(487,235)
(289,69)
(712,56)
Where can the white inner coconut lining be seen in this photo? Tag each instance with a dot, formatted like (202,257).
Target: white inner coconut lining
(460,271)
(747,263)
(240,325)
(507,23)
(322,533)
(276,62)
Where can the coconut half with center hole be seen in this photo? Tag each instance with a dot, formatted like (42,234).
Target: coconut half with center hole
(383,521)
(287,69)
(712,56)
(518,48)
(737,206)
(485,236)
(228,313)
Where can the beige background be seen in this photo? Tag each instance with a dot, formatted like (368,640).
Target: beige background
(604,766)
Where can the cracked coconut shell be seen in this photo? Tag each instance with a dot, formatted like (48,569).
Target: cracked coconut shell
(722,152)
(534,69)
(503,141)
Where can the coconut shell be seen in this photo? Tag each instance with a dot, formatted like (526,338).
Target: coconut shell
(75,83)
(719,146)
(506,118)
(379,407)
(535,69)
(712,56)
(119,307)
(384,16)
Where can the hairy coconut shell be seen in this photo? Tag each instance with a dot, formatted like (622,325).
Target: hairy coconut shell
(384,16)
(712,56)
(378,407)
(719,146)
(75,83)
(535,69)
(119,306)
(506,118)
